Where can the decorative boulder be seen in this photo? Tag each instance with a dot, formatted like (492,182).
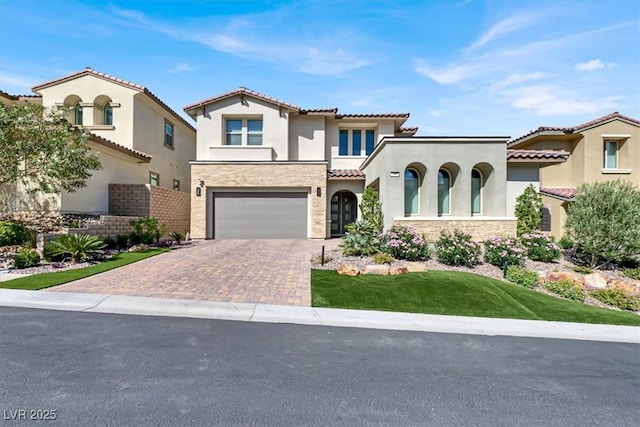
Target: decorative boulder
(556,276)
(415,267)
(139,248)
(627,288)
(348,270)
(594,281)
(394,271)
(381,270)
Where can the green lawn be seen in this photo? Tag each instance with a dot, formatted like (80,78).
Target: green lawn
(46,280)
(453,293)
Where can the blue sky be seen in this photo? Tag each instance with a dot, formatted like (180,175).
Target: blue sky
(460,67)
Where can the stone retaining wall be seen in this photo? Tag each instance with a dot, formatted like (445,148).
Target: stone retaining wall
(479,228)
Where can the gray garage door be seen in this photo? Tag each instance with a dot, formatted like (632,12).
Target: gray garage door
(259,215)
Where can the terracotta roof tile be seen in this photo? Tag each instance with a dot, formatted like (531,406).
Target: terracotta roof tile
(89,71)
(143,157)
(319,111)
(537,155)
(408,130)
(564,193)
(241,91)
(374,116)
(345,173)
(17,97)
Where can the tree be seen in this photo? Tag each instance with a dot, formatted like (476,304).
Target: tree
(604,222)
(371,209)
(529,210)
(41,151)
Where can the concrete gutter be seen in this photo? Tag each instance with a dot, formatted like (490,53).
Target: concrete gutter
(117,304)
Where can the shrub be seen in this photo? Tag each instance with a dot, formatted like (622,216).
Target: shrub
(26,258)
(499,251)
(617,298)
(529,210)
(582,269)
(360,239)
(632,273)
(604,222)
(457,248)
(566,288)
(147,230)
(565,242)
(111,243)
(382,258)
(372,209)
(123,241)
(540,247)
(77,246)
(522,277)
(14,233)
(177,236)
(404,243)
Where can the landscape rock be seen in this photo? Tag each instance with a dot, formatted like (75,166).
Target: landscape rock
(415,267)
(394,271)
(556,276)
(348,270)
(627,288)
(594,281)
(381,270)
(139,248)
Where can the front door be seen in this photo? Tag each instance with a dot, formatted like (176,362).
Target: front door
(344,210)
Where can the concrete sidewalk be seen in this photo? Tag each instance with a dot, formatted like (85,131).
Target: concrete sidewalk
(100,303)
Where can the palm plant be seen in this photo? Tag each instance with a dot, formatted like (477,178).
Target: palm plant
(177,236)
(77,246)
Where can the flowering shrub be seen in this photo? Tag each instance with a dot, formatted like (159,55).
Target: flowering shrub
(457,248)
(499,251)
(540,247)
(404,243)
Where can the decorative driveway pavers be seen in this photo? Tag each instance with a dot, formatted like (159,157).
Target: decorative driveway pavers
(255,271)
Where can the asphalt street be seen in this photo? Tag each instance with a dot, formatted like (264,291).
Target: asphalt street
(120,370)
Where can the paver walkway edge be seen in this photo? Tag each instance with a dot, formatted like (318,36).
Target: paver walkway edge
(149,306)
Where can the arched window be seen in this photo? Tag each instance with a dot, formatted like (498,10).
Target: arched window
(411,186)
(77,114)
(444,196)
(108,115)
(476,192)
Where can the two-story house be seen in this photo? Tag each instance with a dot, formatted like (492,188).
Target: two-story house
(265,168)
(603,149)
(138,138)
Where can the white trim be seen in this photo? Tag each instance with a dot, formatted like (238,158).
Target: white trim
(616,171)
(614,136)
(100,127)
(454,218)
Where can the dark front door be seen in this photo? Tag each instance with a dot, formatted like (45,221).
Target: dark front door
(344,210)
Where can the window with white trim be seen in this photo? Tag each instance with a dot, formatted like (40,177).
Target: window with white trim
(154,179)
(243,131)
(610,155)
(356,142)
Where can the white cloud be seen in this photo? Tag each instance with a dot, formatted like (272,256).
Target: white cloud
(516,78)
(550,100)
(594,64)
(502,28)
(182,67)
(448,75)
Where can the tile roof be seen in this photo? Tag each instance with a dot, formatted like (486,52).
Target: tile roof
(578,128)
(17,97)
(89,71)
(550,156)
(143,157)
(242,91)
(563,193)
(408,130)
(345,173)
(319,111)
(374,116)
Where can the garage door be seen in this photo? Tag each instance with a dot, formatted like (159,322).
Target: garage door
(260,215)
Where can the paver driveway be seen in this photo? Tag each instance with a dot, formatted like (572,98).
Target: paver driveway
(258,271)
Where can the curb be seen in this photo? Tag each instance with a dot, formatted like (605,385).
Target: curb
(146,306)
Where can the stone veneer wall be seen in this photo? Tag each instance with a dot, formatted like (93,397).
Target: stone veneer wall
(479,229)
(255,176)
(172,208)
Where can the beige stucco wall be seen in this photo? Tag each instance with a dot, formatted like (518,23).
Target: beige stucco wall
(519,177)
(382,129)
(148,137)
(479,228)
(116,168)
(459,156)
(306,137)
(257,176)
(333,186)
(211,125)
(557,210)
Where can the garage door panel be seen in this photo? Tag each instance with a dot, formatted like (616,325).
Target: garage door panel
(260,215)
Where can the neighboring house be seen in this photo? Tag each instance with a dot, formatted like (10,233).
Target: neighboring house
(265,168)
(603,149)
(137,137)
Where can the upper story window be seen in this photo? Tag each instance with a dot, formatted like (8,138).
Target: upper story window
(168,133)
(176,185)
(350,142)
(77,114)
(611,154)
(243,132)
(107,114)
(154,179)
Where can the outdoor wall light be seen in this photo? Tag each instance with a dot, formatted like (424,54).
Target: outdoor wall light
(198,191)
(394,174)
(319,191)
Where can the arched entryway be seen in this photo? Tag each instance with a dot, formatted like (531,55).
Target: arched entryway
(344,210)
